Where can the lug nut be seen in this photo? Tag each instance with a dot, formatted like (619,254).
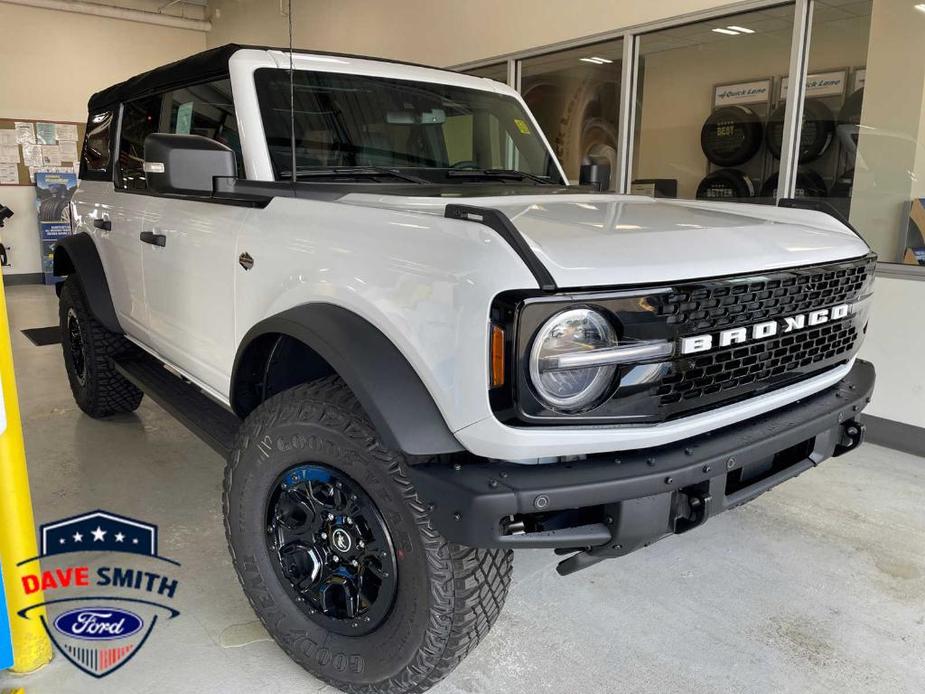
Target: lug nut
(335,558)
(324,536)
(349,520)
(361,544)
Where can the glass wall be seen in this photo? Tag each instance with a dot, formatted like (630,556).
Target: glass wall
(575,96)
(705,93)
(877,158)
(710,102)
(497,72)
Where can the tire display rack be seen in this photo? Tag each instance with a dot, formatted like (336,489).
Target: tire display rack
(739,171)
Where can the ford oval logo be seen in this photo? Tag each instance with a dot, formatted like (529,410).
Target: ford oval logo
(98,623)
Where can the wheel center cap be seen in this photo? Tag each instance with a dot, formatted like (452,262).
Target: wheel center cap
(340,540)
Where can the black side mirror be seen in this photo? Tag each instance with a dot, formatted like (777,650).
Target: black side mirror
(595,171)
(186,164)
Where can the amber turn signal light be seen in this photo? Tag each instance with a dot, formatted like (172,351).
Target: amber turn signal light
(496,357)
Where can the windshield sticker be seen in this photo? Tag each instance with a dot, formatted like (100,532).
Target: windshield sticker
(522,126)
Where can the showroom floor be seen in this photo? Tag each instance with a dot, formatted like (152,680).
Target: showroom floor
(819,586)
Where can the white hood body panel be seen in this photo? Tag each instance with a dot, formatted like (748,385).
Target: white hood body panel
(588,240)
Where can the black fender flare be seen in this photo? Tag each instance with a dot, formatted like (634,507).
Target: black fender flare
(387,386)
(77,254)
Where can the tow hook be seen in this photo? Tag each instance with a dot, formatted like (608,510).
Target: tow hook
(698,510)
(852,435)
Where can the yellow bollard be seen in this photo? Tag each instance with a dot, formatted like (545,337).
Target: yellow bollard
(31,647)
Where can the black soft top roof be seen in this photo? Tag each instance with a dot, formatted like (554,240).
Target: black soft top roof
(201,67)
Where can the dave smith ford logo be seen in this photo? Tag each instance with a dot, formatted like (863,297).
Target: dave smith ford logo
(94,623)
(99,617)
(762,331)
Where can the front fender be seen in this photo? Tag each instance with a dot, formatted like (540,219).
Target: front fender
(77,254)
(388,388)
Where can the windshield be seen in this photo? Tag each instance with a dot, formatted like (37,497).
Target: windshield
(374,125)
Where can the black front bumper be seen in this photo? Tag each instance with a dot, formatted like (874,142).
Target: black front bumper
(611,504)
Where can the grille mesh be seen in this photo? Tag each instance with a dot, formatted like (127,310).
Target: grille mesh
(725,374)
(729,303)
(734,367)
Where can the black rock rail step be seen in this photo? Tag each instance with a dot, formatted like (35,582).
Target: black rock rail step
(211,422)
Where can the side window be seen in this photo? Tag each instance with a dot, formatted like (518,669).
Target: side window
(202,109)
(96,157)
(140,118)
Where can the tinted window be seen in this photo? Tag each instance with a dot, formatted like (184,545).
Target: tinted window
(202,109)
(140,118)
(354,120)
(97,150)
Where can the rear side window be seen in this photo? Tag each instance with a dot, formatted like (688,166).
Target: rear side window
(96,158)
(140,118)
(203,109)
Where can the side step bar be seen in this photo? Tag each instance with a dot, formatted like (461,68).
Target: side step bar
(211,422)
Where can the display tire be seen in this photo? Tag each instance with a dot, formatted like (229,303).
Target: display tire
(816,132)
(89,349)
(843,185)
(731,135)
(447,596)
(725,184)
(850,113)
(809,184)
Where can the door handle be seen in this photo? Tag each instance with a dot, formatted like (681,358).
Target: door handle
(152,238)
(103,224)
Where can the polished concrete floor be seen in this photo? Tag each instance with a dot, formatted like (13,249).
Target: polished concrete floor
(818,586)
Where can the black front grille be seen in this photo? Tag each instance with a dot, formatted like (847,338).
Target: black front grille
(710,379)
(722,304)
(735,368)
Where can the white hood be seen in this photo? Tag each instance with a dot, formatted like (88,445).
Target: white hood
(602,239)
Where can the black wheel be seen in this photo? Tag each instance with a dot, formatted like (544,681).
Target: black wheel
(816,131)
(725,184)
(88,347)
(731,135)
(336,552)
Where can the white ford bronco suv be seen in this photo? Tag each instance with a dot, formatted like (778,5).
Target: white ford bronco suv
(371,288)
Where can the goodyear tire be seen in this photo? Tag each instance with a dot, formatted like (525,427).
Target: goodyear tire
(89,348)
(809,184)
(725,184)
(731,135)
(816,131)
(336,553)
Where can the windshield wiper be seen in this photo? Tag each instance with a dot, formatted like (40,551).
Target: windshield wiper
(497,173)
(353,171)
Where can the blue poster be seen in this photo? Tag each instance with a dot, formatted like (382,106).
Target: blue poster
(53,193)
(6,643)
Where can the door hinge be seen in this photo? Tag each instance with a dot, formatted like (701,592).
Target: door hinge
(246,261)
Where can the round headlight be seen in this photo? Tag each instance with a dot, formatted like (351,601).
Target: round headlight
(574,330)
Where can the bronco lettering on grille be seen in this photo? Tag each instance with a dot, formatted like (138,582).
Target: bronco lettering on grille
(761,331)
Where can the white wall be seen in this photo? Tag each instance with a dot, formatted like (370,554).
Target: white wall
(51,63)
(434,32)
(896,345)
